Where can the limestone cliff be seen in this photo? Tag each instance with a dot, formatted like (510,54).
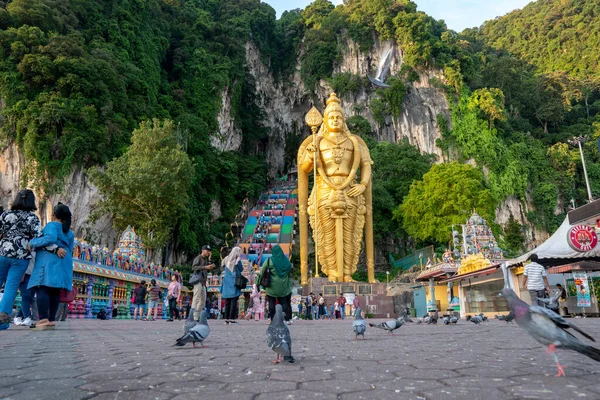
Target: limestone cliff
(77,192)
(286,101)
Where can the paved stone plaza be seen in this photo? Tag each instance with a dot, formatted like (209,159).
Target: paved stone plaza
(136,360)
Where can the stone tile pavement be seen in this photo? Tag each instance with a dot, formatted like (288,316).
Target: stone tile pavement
(136,360)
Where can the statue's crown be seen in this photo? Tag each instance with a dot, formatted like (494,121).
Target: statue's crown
(333,104)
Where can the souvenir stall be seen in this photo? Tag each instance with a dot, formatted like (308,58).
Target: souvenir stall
(572,258)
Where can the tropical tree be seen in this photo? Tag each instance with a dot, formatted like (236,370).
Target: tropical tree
(446,196)
(147,187)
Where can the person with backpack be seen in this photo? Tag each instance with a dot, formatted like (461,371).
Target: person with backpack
(278,282)
(139,301)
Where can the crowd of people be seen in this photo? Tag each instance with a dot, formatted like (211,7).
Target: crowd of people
(316,307)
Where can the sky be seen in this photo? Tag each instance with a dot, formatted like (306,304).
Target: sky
(458,14)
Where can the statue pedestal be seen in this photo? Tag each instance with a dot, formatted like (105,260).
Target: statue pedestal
(373,297)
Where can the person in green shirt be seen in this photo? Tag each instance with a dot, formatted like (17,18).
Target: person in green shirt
(280,289)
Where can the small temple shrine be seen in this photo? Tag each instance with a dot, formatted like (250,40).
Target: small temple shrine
(467,279)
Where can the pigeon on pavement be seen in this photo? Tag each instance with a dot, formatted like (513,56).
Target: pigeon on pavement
(359,324)
(476,319)
(552,302)
(197,334)
(548,328)
(434,319)
(189,322)
(453,320)
(483,317)
(390,325)
(278,337)
(446,320)
(407,318)
(508,318)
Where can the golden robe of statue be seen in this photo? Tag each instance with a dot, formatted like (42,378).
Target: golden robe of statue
(339,206)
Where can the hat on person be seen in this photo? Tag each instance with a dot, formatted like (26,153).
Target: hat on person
(206,247)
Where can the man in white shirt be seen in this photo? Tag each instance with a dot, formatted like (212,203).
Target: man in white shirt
(536,281)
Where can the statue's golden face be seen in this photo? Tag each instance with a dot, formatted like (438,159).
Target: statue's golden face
(334,121)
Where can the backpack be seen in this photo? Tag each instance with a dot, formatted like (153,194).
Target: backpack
(265,279)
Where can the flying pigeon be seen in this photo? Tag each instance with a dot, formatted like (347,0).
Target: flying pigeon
(197,334)
(278,337)
(390,325)
(189,322)
(359,324)
(548,328)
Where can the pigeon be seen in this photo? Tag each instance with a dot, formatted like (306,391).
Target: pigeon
(508,318)
(419,321)
(278,337)
(359,324)
(483,317)
(476,319)
(552,302)
(189,322)
(453,320)
(446,320)
(407,318)
(548,328)
(390,325)
(434,319)
(197,334)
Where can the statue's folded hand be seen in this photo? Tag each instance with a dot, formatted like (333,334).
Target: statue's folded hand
(356,190)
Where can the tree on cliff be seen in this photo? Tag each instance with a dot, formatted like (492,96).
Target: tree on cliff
(447,195)
(147,187)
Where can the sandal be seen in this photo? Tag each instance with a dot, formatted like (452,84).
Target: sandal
(44,327)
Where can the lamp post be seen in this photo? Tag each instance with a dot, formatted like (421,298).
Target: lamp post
(387,277)
(576,141)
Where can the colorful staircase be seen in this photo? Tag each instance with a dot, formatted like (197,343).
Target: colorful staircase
(271,222)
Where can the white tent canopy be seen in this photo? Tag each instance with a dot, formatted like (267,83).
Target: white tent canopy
(557,247)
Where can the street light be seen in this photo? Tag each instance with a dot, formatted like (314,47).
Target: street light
(576,141)
(387,277)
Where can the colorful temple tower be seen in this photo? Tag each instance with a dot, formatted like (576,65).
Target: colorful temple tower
(478,238)
(130,246)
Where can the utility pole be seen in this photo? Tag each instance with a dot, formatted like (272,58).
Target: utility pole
(576,141)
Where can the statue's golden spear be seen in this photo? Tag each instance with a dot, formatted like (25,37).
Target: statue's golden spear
(314,119)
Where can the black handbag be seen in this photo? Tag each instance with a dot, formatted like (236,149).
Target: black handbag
(240,281)
(265,279)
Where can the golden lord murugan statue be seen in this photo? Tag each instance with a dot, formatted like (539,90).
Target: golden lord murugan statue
(340,205)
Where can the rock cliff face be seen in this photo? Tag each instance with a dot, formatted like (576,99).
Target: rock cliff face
(77,192)
(286,103)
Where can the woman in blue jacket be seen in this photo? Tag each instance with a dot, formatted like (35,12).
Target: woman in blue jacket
(50,272)
(233,267)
